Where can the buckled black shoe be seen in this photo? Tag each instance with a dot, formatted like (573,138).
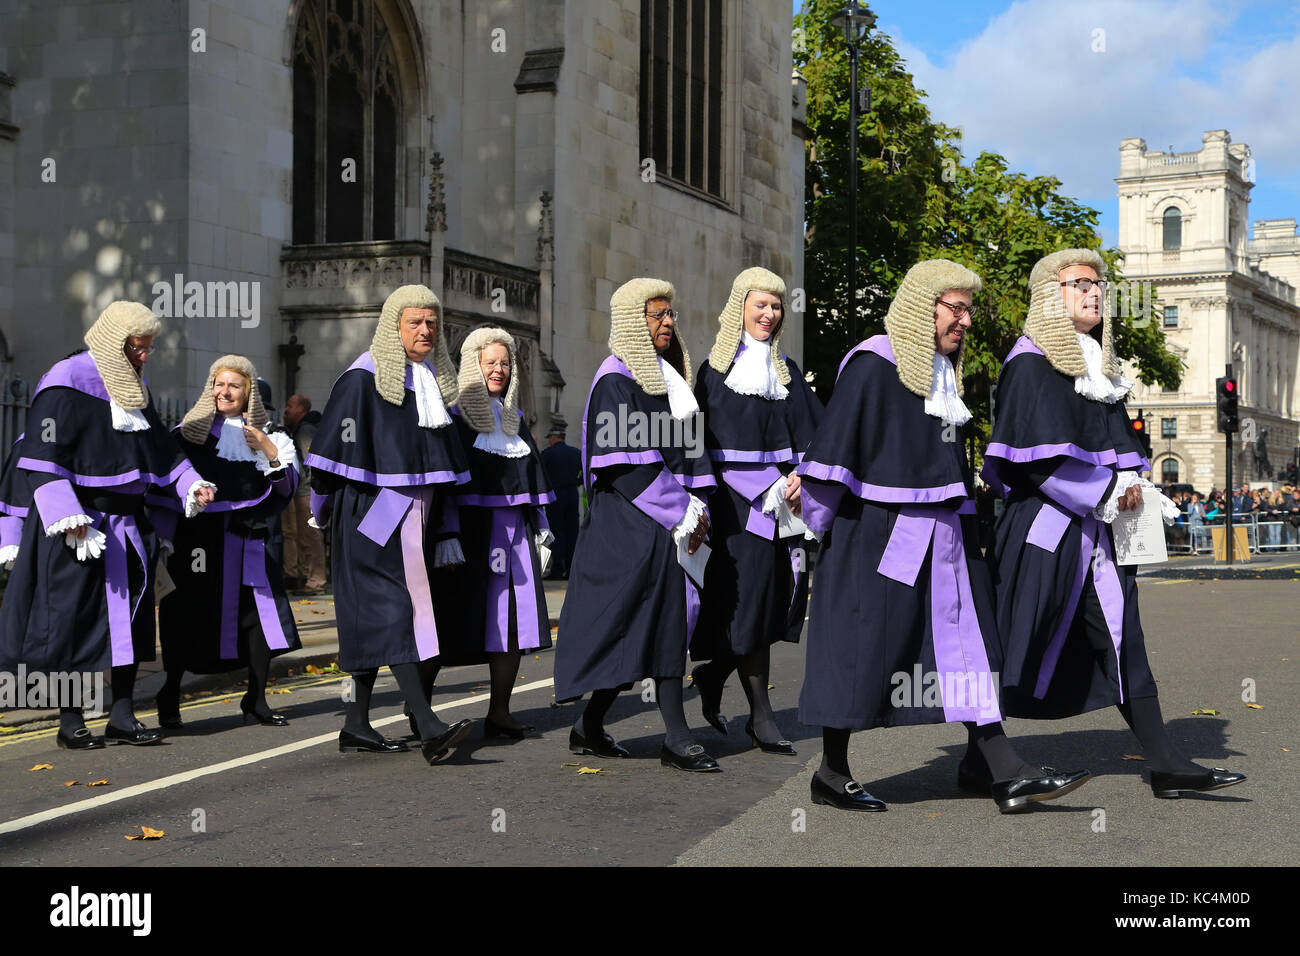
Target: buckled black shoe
(710,700)
(139,735)
(1169,786)
(976,780)
(606,747)
(1014,796)
(782,747)
(350,743)
(695,760)
(80,739)
(435,747)
(492,729)
(851,797)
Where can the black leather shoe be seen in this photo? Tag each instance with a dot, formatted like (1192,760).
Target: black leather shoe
(492,729)
(350,743)
(976,780)
(1168,786)
(435,747)
(710,700)
(1014,796)
(139,734)
(605,747)
(695,760)
(267,720)
(80,739)
(782,747)
(852,797)
(169,713)
(170,721)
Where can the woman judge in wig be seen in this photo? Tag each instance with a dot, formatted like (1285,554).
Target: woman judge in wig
(1063,453)
(490,605)
(632,605)
(229,608)
(759,416)
(901,629)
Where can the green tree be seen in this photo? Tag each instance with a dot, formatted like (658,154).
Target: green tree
(918,200)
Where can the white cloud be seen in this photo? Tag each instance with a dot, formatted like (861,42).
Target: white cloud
(1032,87)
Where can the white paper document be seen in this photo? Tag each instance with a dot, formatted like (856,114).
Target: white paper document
(1140,534)
(693,564)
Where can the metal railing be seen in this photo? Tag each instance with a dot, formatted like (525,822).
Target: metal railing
(15,399)
(1266,533)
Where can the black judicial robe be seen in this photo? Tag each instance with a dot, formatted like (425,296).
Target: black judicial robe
(61,614)
(756,583)
(377,477)
(497,593)
(229,584)
(630,608)
(901,626)
(1054,455)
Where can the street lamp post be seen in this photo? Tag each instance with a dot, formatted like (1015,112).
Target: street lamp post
(855,20)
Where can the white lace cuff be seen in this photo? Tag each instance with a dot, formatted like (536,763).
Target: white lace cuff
(544,537)
(811,535)
(70,523)
(8,555)
(91,546)
(284,453)
(191,504)
(690,520)
(775,496)
(448,553)
(1108,510)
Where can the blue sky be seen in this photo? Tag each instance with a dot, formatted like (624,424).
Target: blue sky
(1023,79)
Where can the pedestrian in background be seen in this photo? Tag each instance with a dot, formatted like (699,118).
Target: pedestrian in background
(304,546)
(563,464)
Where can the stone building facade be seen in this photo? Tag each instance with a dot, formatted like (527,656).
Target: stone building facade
(265,172)
(1224,297)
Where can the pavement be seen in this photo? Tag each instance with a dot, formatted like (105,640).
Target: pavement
(225,794)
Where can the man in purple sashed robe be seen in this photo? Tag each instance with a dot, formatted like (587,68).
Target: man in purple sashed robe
(1064,456)
(901,626)
(81,594)
(384,455)
(633,596)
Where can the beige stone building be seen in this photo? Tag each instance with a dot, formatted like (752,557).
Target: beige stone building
(265,172)
(1225,297)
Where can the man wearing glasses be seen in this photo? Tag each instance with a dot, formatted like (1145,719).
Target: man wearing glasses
(80,597)
(631,605)
(1063,454)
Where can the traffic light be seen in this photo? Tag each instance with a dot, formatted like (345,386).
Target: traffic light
(1140,433)
(1225,402)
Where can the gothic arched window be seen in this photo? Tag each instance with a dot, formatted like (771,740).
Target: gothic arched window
(1173,224)
(347,108)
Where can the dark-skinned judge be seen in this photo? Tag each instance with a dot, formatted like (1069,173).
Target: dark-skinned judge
(901,627)
(632,605)
(1064,455)
(384,453)
(759,416)
(80,596)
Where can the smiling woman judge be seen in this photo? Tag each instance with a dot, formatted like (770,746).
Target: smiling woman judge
(902,590)
(229,607)
(759,416)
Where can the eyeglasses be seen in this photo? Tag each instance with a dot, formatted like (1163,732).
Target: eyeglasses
(1084,286)
(959,310)
(140,349)
(496,366)
(660,316)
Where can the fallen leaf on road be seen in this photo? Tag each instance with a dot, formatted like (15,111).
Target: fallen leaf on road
(1255,706)
(42,766)
(97,783)
(771,687)
(279,690)
(1206,712)
(1134,757)
(570,765)
(318,612)
(148,833)
(69,783)
(934,814)
(590,770)
(1286,750)
(313,669)
(306,602)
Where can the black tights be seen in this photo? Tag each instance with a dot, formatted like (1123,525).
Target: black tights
(410,681)
(668,692)
(989,741)
(122,713)
(754,669)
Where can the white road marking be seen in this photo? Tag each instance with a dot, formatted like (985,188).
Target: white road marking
(162,783)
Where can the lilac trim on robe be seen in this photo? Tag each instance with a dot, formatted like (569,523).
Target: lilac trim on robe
(1021,456)
(105,481)
(78,372)
(119,530)
(55,500)
(384,515)
(751,483)
(664,500)
(877,343)
(11,530)
(780,457)
(1078,486)
(17,511)
(1023,345)
(959,654)
(1093,541)
(506,500)
(417,575)
(882,493)
(386,480)
(509,538)
(820,504)
(1048,527)
(320,508)
(649,456)
(366,361)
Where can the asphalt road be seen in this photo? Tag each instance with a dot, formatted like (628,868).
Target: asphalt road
(228,795)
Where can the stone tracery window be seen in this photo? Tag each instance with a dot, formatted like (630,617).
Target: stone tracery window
(347,130)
